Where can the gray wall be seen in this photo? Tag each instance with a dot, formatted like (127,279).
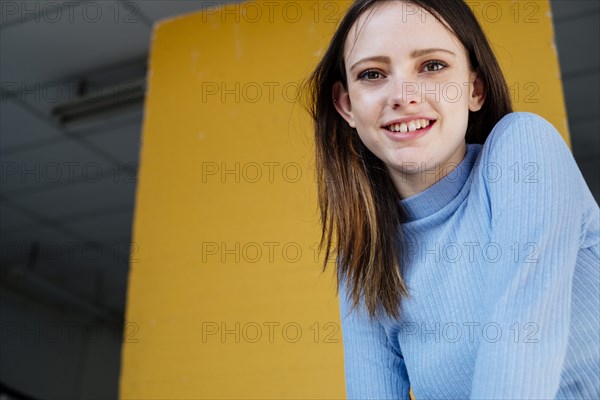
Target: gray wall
(577,36)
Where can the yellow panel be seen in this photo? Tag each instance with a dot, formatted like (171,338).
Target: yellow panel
(522,36)
(226,298)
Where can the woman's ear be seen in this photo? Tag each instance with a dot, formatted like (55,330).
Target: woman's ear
(341,101)
(477,93)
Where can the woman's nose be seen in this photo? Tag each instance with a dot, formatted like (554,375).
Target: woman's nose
(403,92)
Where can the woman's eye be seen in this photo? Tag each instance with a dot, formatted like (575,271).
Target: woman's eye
(433,66)
(369,75)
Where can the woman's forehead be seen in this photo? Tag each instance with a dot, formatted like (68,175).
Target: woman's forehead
(397,26)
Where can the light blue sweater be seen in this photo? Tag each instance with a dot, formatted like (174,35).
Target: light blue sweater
(503,269)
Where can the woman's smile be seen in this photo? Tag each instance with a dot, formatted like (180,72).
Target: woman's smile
(408,128)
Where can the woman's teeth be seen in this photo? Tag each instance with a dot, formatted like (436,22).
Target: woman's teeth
(410,127)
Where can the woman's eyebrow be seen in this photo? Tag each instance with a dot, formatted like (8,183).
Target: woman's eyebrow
(414,54)
(423,52)
(383,59)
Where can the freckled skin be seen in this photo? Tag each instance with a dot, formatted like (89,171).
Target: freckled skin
(436,85)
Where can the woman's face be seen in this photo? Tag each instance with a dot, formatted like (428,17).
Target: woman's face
(409,93)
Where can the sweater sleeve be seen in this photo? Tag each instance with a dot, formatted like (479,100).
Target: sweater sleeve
(536,193)
(373,368)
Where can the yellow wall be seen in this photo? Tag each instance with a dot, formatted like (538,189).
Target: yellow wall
(522,36)
(226,218)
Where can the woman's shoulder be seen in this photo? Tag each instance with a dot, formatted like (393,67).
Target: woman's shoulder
(524,144)
(526,134)
(526,158)
(525,162)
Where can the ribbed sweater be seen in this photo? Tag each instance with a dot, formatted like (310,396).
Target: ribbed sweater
(503,269)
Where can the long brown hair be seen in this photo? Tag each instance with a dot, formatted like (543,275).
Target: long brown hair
(359,206)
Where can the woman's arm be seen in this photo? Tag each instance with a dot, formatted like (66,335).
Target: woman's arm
(537,198)
(374,369)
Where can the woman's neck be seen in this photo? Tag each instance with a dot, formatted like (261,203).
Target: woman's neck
(410,184)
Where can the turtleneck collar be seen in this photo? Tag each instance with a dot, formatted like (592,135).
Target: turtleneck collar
(441,193)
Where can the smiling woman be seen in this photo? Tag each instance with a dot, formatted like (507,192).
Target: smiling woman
(458,278)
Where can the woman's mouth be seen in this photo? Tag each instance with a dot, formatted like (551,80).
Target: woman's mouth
(411,126)
(408,130)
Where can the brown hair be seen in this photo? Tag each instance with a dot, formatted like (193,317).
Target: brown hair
(358,203)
